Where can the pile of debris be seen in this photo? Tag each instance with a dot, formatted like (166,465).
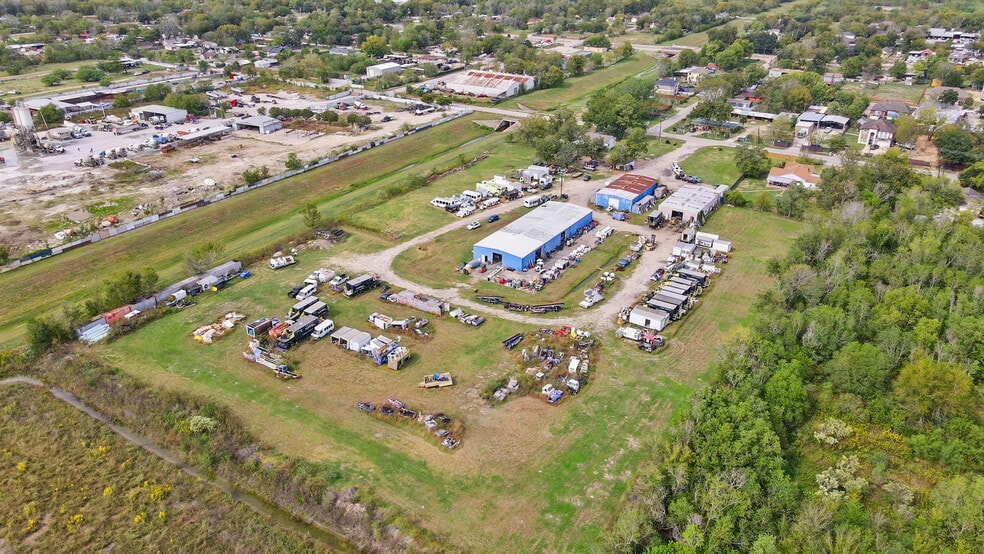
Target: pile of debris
(469,319)
(207,333)
(439,424)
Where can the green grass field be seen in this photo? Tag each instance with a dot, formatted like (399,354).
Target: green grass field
(577,89)
(661,147)
(244,223)
(528,475)
(69,483)
(713,164)
(889,91)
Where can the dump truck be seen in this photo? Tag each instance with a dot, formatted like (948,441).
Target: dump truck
(437,380)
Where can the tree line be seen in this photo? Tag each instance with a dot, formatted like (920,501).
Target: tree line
(847,415)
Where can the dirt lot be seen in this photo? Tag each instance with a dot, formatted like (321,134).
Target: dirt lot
(43,194)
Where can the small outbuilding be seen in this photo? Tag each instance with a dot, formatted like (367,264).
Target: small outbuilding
(649,318)
(262,123)
(351,339)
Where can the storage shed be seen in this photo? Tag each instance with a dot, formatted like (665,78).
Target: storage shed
(351,339)
(518,245)
(649,318)
(684,248)
(262,123)
(627,193)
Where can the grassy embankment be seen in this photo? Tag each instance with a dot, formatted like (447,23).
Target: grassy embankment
(244,223)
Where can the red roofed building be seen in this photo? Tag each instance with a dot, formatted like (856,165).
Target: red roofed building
(490,84)
(627,193)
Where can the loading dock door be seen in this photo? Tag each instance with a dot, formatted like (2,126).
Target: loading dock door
(613,203)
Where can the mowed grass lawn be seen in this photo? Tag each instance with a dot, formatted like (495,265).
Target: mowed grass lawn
(69,483)
(528,475)
(577,88)
(889,91)
(713,164)
(244,223)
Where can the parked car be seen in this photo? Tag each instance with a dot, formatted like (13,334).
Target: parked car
(474,225)
(493,218)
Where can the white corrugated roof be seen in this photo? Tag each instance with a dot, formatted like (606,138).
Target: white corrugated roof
(533,230)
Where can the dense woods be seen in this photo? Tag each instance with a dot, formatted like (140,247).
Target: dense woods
(847,417)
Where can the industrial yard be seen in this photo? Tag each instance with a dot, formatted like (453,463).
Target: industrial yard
(352,378)
(46,193)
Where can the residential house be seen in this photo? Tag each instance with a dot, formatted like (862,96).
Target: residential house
(877,133)
(941,34)
(887,110)
(668,87)
(608,140)
(695,74)
(804,175)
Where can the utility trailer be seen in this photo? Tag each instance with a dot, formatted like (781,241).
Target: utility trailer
(437,380)
(318,309)
(258,354)
(261,326)
(297,310)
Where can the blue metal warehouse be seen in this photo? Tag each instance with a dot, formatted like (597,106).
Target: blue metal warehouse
(629,193)
(543,230)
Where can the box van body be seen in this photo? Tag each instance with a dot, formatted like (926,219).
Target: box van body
(323,329)
(446,203)
(532,202)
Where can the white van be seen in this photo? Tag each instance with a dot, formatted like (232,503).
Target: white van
(323,329)
(307,291)
(445,203)
(474,195)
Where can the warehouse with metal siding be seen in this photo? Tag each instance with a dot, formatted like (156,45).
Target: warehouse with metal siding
(517,245)
(628,193)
